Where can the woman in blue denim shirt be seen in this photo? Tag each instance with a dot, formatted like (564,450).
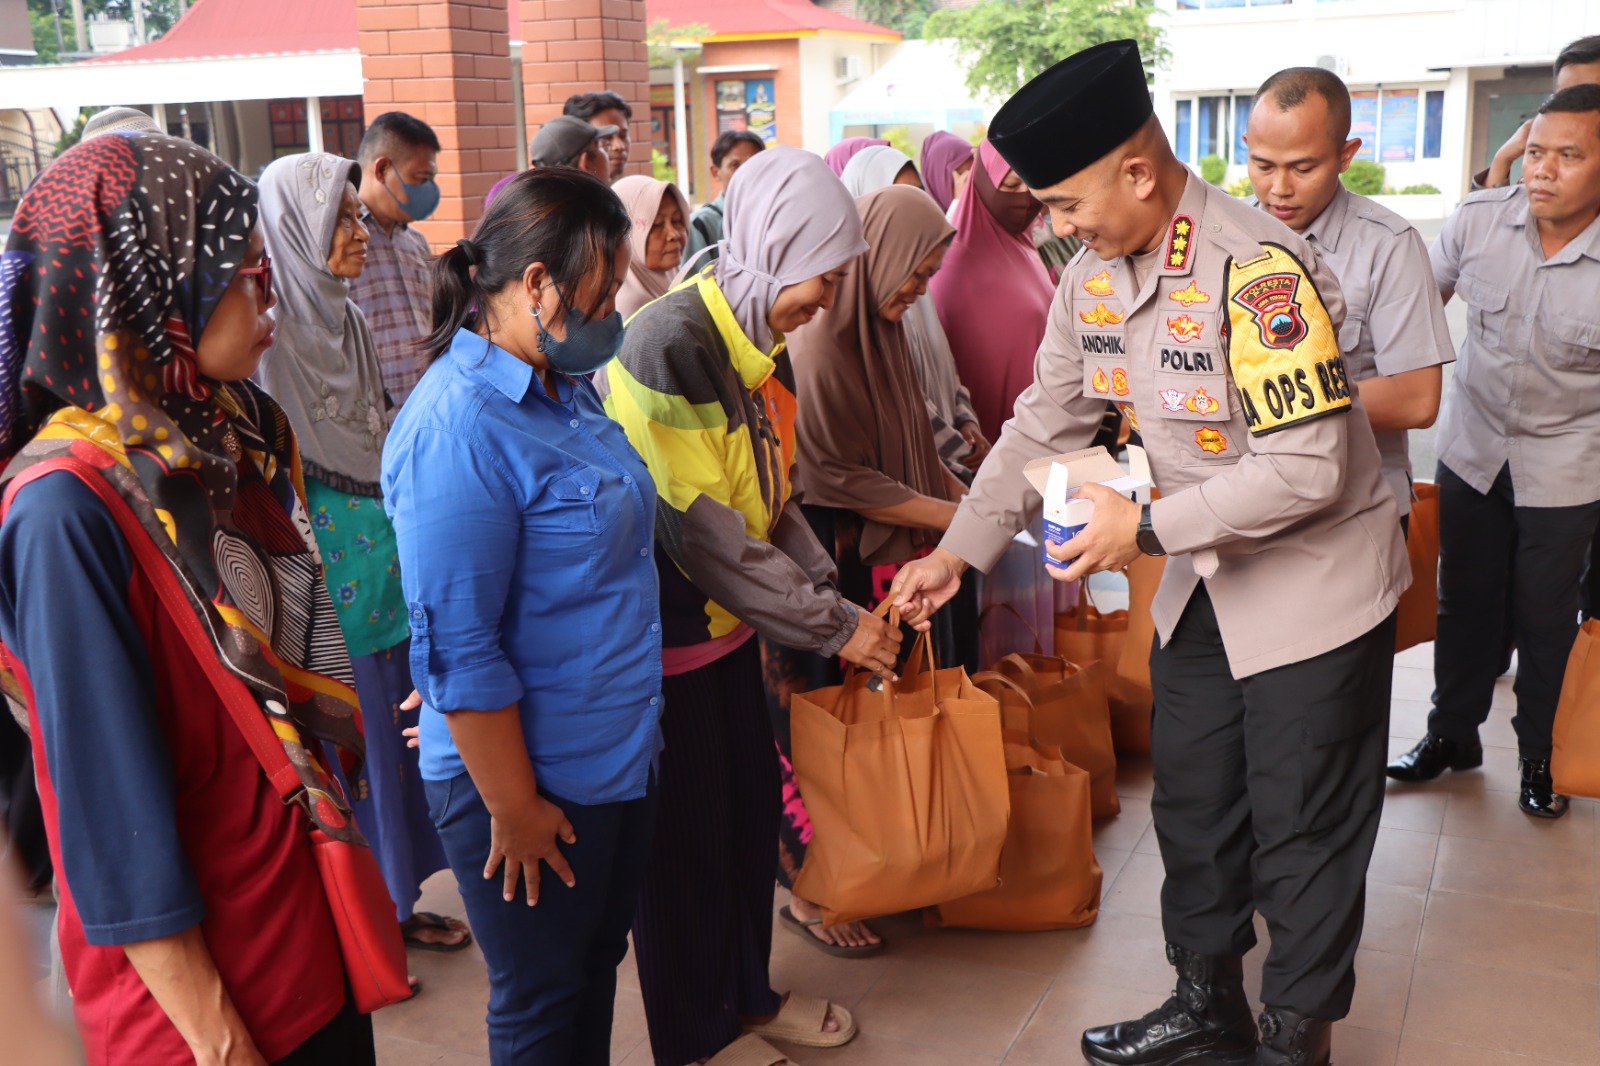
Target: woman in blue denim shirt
(525,522)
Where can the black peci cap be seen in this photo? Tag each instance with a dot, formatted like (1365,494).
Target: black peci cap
(1073,114)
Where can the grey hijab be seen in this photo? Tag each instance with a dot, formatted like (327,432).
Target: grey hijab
(322,367)
(788,219)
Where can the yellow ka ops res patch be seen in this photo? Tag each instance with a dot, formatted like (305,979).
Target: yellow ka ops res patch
(1281,344)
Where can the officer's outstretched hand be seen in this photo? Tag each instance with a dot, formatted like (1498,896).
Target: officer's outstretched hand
(1108,542)
(924,586)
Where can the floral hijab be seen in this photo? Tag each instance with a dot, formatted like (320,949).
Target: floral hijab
(118,256)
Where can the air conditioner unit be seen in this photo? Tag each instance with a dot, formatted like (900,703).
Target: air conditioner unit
(848,68)
(1337,64)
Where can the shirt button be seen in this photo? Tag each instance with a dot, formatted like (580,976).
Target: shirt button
(573,423)
(1527,318)
(1513,403)
(644,551)
(584,490)
(627,479)
(655,627)
(654,701)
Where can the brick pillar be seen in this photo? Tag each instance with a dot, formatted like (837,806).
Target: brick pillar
(448,63)
(578,46)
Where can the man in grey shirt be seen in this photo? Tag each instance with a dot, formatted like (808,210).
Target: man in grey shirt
(1394,337)
(1519,444)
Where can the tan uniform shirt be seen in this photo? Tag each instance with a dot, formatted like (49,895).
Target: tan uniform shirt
(1393,317)
(1527,388)
(1227,361)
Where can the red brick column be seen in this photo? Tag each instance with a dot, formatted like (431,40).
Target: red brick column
(448,63)
(577,46)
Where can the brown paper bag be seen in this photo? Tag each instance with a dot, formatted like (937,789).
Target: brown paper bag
(906,787)
(1575,761)
(1085,635)
(1417,618)
(1069,710)
(1130,695)
(1049,878)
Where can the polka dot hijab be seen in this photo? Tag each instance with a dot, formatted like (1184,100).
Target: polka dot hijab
(118,256)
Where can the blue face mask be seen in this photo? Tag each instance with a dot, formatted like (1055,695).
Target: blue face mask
(422,199)
(590,344)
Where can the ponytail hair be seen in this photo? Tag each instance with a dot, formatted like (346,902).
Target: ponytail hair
(562,217)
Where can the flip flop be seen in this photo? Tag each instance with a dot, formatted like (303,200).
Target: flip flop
(800,1021)
(430,920)
(416,986)
(843,951)
(750,1051)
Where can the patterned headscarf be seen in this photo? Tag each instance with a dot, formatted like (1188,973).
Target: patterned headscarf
(118,256)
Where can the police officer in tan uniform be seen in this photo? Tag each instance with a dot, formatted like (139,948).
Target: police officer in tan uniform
(1214,328)
(1394,338)
(1519,445)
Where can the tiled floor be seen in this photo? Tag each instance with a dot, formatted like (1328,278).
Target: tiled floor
(1481,946)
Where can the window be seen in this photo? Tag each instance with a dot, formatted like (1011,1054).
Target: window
(1185,130)
(342,126)
(1213,117)
(1241,119)
(1432,124)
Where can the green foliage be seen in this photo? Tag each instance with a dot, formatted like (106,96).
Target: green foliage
(1006,42)
(660,34)
(1213,168)
(1419,190)
(1241,188)
(661,168)
(899,138)
(908,16)
(1365,178)
(159,15)
(72,134)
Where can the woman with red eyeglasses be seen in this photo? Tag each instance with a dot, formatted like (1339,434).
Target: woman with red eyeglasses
(159,587)
(323,369)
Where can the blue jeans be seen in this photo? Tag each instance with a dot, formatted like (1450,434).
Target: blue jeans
(553,967)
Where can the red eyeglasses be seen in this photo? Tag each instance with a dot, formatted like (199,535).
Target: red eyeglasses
(262,274)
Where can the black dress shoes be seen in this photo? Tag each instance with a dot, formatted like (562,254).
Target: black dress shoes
(1290,1039)
(1539,797)
(1207,1020)
(1432,756)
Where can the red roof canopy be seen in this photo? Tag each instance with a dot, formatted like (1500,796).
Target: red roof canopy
(215,28)
(218,28)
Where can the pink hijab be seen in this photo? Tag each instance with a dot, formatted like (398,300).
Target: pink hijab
(642,197)
(993,296)
(839,155)
(942,155)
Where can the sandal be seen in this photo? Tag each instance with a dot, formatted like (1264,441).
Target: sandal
(800,1021)
(416,987)
(750,1051)
(802,927)
(430,920)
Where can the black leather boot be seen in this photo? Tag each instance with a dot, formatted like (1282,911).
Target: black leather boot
(1539,797)
(1207,1020)
(1290,1039)
(1432,756)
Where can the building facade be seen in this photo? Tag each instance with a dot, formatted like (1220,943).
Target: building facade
(1437,85)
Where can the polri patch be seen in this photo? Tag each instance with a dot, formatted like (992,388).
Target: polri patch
(1281,344)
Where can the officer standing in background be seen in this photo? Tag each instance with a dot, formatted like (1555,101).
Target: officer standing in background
(1519,445)
(1213,327)
(1394,336)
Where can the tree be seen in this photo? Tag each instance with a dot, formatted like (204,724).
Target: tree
(660,35)
(907,16)
(159,15)
(1364,177)
(1007,42)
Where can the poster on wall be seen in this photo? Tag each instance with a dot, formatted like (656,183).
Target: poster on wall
(748,104)
(1399,130)
(1364,122)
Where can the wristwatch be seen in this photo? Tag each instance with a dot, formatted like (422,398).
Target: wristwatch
(1147,540)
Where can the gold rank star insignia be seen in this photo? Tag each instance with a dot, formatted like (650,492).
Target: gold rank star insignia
(1100,316)
(1178,242)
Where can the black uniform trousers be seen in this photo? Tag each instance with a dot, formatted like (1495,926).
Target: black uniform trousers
(703,931)
(1267,797)
(1500,561)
